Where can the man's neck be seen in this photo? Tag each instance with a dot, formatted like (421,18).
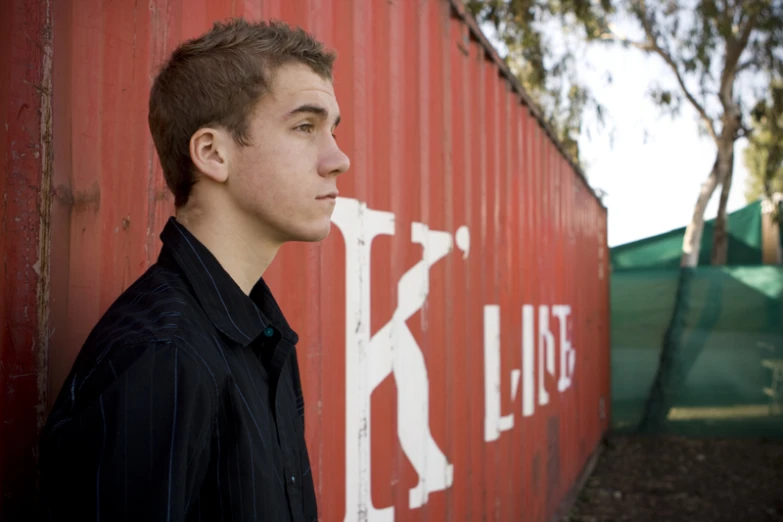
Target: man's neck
(244,255)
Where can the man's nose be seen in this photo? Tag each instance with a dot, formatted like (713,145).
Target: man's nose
(336,162)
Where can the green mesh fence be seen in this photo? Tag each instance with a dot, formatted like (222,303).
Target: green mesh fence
(665,250)
(708,363)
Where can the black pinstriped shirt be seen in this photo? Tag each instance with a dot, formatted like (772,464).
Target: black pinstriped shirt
(184,404)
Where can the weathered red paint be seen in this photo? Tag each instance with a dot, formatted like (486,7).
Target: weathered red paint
(25,96)
(438,134)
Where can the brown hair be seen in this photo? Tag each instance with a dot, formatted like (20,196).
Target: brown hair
(217,79)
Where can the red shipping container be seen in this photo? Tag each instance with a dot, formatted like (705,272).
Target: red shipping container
(454,325)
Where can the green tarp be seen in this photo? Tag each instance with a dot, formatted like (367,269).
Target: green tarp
(730,341)
(665,250)
(725,344)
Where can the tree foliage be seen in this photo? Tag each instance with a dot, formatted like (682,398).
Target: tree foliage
(715,50)
(546,68)
(764,155)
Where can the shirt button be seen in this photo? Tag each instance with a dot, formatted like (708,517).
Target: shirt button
(293,479)
(269,331)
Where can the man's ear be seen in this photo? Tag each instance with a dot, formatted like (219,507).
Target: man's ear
(209,151)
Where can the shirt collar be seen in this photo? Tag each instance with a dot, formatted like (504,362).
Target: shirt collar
(262,296)
(236,315)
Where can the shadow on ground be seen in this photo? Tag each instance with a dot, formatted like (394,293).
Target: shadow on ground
(678,479)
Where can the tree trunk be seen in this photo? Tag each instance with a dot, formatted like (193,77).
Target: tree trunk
(676,361)
(668,375)
(691,243)
(661,394)
(720,245)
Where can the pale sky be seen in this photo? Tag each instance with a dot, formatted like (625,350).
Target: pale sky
(653,170)
(652,185)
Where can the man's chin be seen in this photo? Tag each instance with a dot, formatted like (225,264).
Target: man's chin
(312,236)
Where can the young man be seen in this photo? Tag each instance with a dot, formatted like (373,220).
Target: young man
(185,402)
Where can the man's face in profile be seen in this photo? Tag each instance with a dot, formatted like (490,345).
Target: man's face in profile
(285,180)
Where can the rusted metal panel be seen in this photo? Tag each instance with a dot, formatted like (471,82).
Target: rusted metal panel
(25,149)
(466,267)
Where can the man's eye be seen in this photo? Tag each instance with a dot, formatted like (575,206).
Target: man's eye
(306,127)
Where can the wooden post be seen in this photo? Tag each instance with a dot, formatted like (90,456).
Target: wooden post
(770,231)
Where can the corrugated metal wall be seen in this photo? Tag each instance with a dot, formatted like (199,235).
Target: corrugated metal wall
(454,326)
(25,152)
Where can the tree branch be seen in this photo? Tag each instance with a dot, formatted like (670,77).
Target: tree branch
(744,132)
(614,37)
(652,41)
(746,65)
(734,49)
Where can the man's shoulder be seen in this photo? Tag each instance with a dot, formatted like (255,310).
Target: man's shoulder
(155,310)
(152,309)
(146,321)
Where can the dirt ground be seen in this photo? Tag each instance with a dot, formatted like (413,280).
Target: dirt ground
(646,479)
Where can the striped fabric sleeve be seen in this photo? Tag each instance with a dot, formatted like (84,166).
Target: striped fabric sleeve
(141,448)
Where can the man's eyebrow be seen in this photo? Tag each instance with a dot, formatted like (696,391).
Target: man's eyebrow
(313,109)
